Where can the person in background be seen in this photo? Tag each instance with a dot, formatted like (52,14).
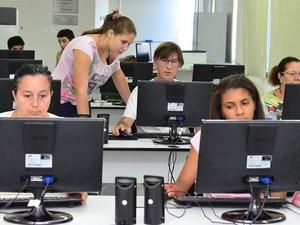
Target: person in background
(90,60)
(234,98)
(32,93)
(167,60)
(64,36)
(15,43)
(287,71)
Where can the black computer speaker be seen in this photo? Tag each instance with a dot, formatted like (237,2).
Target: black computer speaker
(106,125)
(125,200)
(154,211)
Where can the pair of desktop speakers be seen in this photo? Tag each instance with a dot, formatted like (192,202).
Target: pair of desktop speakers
(125,200)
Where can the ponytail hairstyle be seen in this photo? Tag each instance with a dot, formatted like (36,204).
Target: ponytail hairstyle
(279,69)
(115,22)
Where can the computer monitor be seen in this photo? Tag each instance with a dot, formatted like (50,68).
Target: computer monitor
(143,52)
(8,67)
(134,71)
(291,105)
(49,155)
(173,104)
(249,156)
(13,54)
(7,101)
(215,72)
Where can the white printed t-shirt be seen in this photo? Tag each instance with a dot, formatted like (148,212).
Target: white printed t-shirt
(99,72)
(10,113)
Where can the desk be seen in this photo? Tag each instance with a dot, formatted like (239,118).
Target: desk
(100,210)
(138,158)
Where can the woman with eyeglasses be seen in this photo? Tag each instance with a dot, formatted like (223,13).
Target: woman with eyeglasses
(167,59)
(287,71)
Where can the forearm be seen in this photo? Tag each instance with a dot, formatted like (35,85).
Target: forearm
(122,86)
(126,122)
(82,104)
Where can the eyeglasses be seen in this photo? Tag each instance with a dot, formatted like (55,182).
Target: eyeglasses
(173,62)
(292,74)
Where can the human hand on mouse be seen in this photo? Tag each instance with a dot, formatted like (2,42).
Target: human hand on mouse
(121,129)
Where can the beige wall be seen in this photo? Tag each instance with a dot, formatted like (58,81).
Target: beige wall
(285,30)
(35,25)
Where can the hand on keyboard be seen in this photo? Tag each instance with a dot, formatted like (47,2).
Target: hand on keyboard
(172,190)
(296,199)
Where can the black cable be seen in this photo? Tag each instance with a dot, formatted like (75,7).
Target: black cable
(15,198)
(250,205)
(172,158)
(172,214)
(203,212)
(262,205)
(44,192)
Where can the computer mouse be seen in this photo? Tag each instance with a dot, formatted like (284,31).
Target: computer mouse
(123,133)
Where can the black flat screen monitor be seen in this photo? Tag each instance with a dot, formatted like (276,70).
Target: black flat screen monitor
(235,154)
(7,101)
(15,54)
(215,72)
(50,155)
(143,52)
(173,104)
(291,104)
(9,66)
(134,71)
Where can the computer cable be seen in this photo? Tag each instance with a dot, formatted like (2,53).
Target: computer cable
(172,214)
(203,212)
(266,194)
(214,212)
(251,200)
(15,198)
(172,158)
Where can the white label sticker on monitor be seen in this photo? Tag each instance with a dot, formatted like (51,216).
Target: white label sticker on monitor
(129,80)
(38,160)
(14,106)
(175,106)
(259,161)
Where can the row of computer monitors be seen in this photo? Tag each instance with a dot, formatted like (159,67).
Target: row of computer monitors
(144,71)
(171,99)
(11,60)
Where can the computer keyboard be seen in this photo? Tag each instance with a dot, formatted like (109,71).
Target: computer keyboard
(128,137)
(158,135)
(50,199)
(216,201)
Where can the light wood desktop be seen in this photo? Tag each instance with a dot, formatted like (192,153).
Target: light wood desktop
(138,158)
(100,210)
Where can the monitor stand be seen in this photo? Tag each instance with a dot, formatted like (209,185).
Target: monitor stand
(173,138)
(38,215)
(255,214)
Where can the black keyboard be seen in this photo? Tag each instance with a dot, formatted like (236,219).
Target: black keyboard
(216,201)
(159,135)
(128,137)
(50,200)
